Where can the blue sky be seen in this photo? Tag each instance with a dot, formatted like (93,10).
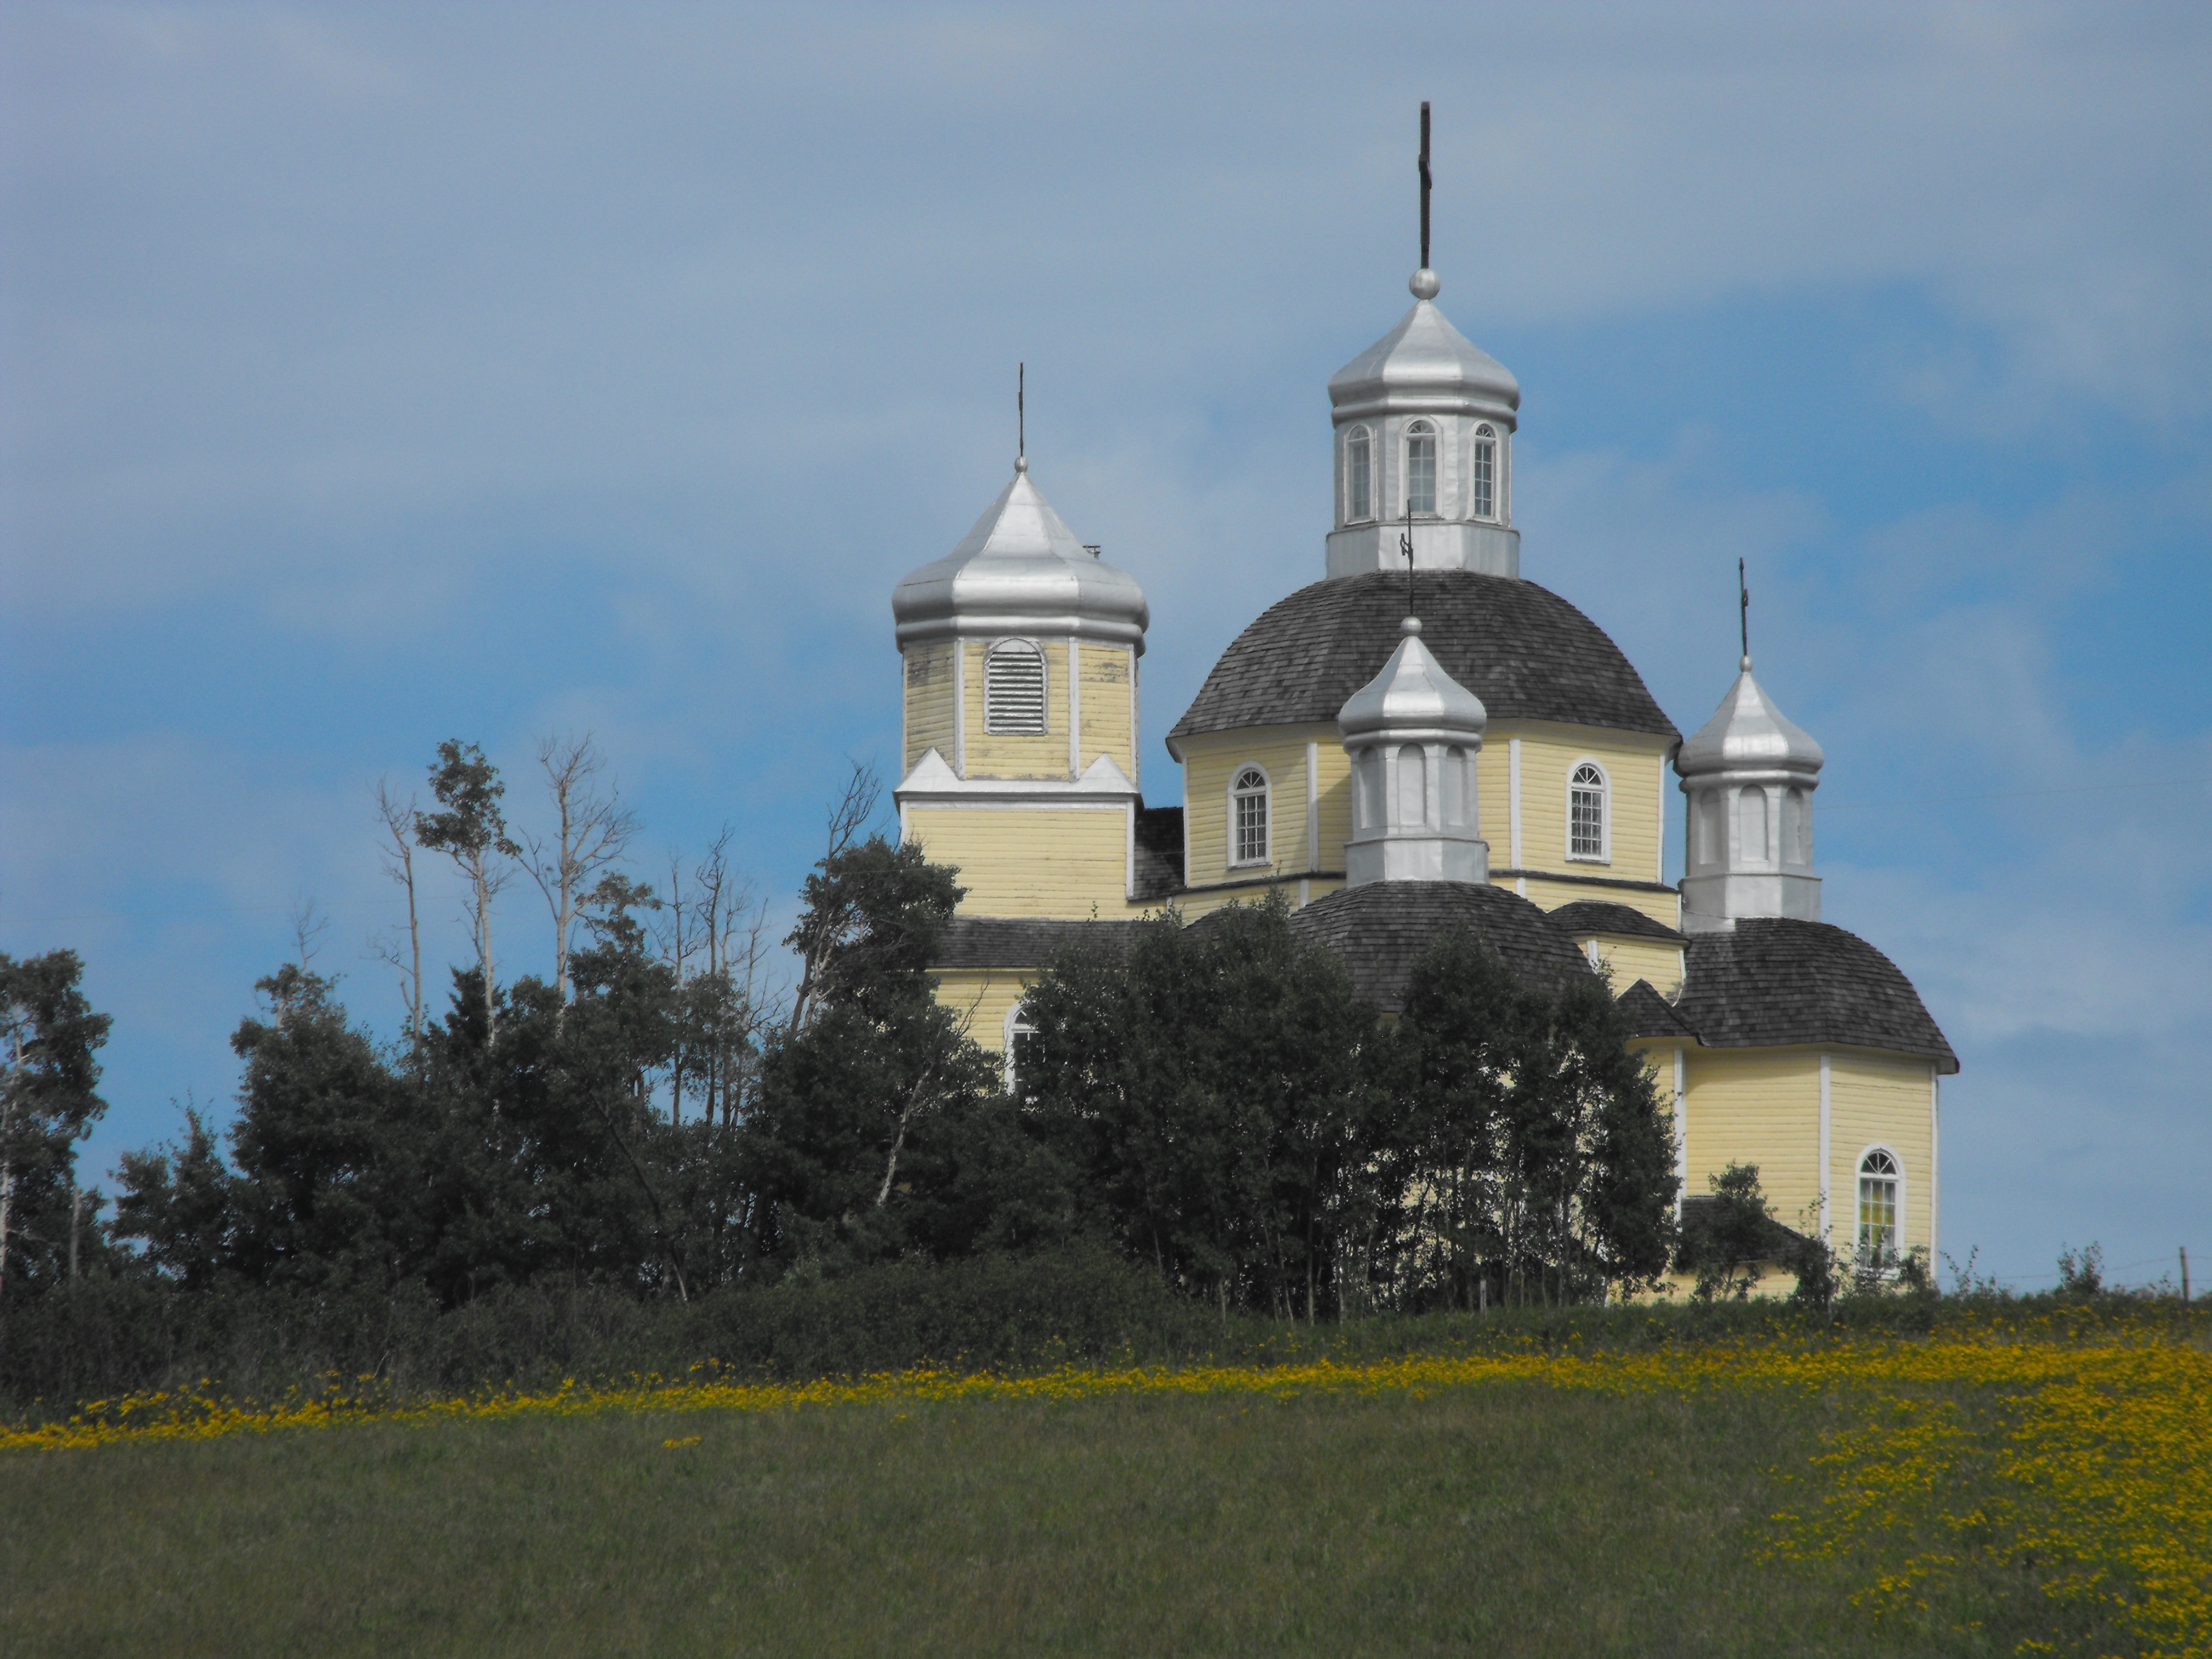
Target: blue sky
(373,376)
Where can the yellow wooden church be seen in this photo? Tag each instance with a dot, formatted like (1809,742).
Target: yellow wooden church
(1424,738)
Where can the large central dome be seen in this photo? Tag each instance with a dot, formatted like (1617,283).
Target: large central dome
(1527,653)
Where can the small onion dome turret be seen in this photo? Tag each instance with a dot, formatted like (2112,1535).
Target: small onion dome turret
(1747,779)
(1412,732)
(1021,570)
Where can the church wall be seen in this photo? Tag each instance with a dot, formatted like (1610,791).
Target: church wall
(1107,705)
(1758,1106)
(1031,862)
(1210,761)
(928,670)
(984,997)
(1006,755)
(1632,765)
(1662,907)
(1879,1098)
(1631,958)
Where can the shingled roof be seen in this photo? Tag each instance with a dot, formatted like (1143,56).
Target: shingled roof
(1603,916)
(1017,942)
(1379,930)
(1523,649)
(1776,981)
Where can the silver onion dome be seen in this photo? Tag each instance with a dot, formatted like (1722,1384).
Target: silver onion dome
(1412,700)
(1747,733)
(1020,570)
(1425,367)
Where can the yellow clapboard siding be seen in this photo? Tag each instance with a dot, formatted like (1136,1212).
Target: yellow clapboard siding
(1631,958)
(929,671)
(1106,706)
(984,997)
(1549,754)
(1758,1106)
(1017,755)
(1210,761)
(1878,1099)
(1056,861)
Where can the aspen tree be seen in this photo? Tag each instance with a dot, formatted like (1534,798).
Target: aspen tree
(472,832)
(594,829)
(397,852)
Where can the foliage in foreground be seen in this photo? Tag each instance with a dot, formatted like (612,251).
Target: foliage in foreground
(2039,1481)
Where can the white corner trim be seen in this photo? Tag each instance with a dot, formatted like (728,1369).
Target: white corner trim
(1659,859)
(1827,1126)
(1681,1130)
(1513,803)
(1935,1139)
(1313,807)
(960,708)
(1074,707)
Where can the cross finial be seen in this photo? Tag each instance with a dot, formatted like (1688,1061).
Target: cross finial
(1424,183)
(1021,417)
(1743,614)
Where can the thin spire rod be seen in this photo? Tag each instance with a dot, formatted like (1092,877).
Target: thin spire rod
(1743,613)
(1021,412)
(1424,183)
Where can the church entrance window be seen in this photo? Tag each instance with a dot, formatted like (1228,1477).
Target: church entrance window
(1421,470)
(1013,688)
(1586,814)
(1358,476)
(1248,798)
(1879,1178)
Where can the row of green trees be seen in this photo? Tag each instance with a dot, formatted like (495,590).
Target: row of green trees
(1214,1101)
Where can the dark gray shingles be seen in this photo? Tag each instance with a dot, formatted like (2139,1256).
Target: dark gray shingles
(1650,1015)
(1380,930)
(1776,981)
(1526,652)
(1602,916)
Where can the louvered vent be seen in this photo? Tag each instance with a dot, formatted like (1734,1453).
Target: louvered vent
(1013,688)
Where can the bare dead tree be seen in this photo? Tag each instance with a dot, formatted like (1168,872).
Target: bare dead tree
(472,832)
(595,829)
(676,936)
(854,810)
(731,925)
(397,853)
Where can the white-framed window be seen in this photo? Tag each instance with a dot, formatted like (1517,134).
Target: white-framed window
(1881,1207)
(1017,1025)
(1483,475)
(1589,819)
(1421,470)
(1014,688)
(1358,475)
(1248,792)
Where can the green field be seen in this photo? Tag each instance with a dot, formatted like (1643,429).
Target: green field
(1509,1516)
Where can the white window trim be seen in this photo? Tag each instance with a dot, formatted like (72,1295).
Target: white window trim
(1014,1022)
(1604,856)
(1904,1192)
(1484,431)
(1374,474)
(1229,816)
(1421,426)
(1044,666)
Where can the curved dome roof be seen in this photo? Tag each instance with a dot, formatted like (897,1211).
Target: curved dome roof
(1424,367)
(1524,651)
(1413,695)
(1020,570)
(1747,732)
(1381,931)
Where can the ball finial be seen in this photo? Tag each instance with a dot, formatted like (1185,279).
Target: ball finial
(1021,463)
(1410,626)
(1426,284)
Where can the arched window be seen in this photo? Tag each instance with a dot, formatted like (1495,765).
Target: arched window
(1367,771)
(1485,473)
(1358,476)
(1454,789)
(1421,470)
(1247,816)
(1706,822)
(1586,812)
(1796,828)
(1017,1027)
(1013,688)
(1878,1181)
